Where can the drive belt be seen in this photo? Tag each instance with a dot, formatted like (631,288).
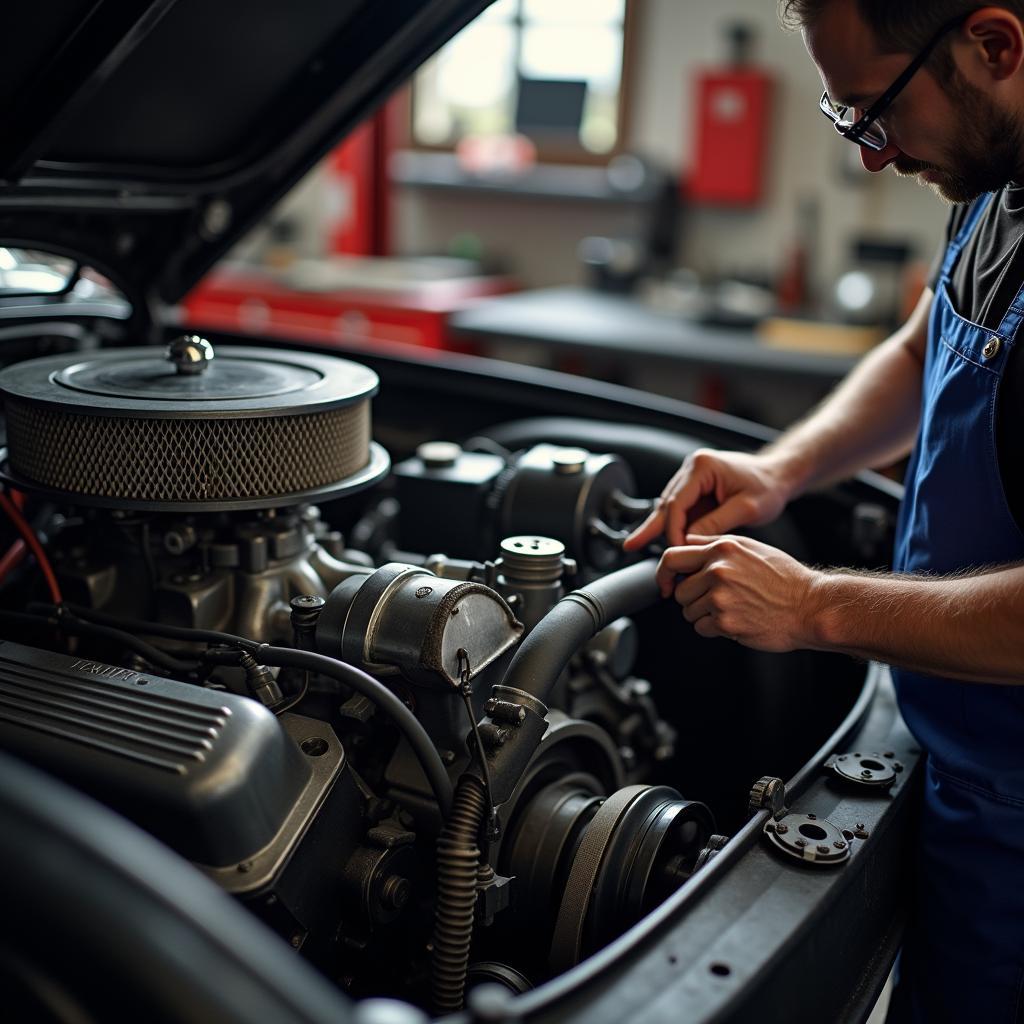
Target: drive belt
(567,940)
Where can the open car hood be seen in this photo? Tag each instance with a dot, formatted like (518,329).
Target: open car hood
(145,137)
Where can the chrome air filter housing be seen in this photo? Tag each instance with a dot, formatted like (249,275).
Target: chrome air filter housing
(138,428)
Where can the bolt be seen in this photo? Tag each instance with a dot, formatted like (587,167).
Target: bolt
(424,591)
(296,940)
(395,893)
(865,774)
(839,844)
(455,610)
(889,753)
(897,766)
(801,842)
(842,757)
(823,849)
(307,601)
(448,757)
(782,829)
(245,866)
(859,826)
(813,817)
(770,827)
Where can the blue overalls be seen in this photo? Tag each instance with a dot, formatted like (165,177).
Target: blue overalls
(963,959)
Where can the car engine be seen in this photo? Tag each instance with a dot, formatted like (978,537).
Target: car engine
(393,710)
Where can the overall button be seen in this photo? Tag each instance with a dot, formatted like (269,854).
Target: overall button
(992,347)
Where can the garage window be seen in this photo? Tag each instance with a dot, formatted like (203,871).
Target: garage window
(551,70)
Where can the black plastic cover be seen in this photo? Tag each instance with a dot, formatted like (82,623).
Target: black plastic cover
(211,774)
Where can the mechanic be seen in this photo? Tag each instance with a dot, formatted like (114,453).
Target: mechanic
(934,89)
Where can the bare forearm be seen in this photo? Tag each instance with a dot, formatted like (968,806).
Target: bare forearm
(970,628)
(868,421)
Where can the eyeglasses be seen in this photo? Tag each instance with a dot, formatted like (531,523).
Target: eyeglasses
(864,131)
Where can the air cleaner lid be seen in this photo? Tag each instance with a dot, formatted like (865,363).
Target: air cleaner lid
(151,383)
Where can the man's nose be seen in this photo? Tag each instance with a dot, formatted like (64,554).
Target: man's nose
(878,159)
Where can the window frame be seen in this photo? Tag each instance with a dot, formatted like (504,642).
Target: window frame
(550,152)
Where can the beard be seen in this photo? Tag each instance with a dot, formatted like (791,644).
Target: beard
(987,154)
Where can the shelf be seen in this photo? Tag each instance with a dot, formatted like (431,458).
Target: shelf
(441,171)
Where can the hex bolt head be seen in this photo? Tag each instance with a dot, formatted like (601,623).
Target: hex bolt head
(823,849)
(801,842)
(839,844)
(782,829)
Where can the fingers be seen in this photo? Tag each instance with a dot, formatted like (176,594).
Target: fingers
(679,502)
(694,611)
(685,560)
(689,504)
(683,491)
(690,589)
(739,510)
(709,628)
(650,529)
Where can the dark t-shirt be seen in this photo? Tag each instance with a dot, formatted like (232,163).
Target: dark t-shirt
(984,282)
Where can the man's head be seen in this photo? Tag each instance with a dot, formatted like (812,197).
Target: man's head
(958,123)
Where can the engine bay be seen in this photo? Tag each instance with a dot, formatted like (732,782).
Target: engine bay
(424,720)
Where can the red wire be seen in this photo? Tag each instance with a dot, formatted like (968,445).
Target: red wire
(15,553)
(29,537)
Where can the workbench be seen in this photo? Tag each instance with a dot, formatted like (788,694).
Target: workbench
(619,338)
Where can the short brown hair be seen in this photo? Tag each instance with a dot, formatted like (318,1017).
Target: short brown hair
(900,26)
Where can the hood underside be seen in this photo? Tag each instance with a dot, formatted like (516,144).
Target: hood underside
(147,136)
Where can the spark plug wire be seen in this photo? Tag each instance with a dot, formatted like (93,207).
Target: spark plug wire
(28,535)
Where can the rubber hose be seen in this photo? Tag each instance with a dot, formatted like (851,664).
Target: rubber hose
(457,858)
(362,682)
(543,655)
(186,633)
(69,624)
(356,678)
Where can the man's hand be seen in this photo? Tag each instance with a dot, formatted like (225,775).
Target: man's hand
(739,588)
(743,490)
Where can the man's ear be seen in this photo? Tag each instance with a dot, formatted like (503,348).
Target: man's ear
(995,37)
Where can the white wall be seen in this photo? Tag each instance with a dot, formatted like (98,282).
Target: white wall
(539,238)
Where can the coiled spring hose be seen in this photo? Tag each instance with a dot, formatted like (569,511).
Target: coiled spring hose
(457,858)
(537,664)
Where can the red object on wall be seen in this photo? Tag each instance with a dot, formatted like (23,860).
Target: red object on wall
(357,172)
(731,138)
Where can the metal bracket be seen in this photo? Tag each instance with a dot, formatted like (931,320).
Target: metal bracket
(810,839)
(870,769)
